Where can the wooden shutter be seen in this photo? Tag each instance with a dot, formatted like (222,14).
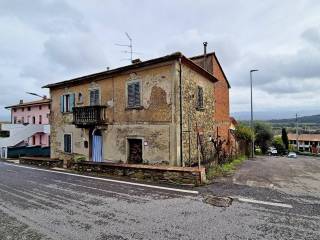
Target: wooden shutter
(67,143)
(200,97)
(137,94)
(71,102)
(62,103)
(94,97)
(131,92)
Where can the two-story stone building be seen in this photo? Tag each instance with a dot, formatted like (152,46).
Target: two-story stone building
(152,112)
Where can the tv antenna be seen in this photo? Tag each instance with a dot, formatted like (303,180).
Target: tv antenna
(130,46)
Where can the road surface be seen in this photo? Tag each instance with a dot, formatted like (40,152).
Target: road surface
(37,204)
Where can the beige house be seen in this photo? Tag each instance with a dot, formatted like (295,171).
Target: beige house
(135,113)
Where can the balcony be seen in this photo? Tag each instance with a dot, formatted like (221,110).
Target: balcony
(89,116)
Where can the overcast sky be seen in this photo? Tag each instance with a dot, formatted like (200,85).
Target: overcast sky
(45,41)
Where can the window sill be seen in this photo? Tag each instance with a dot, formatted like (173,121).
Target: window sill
(134,108)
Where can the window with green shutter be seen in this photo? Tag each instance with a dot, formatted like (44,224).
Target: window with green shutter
(67,102)
(134,94)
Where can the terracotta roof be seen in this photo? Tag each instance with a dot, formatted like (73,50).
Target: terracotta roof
(233,121)
(214,55)
(304,137)
(113,72)
(28,104)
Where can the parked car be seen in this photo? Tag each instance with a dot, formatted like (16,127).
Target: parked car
(272,151)
(292,155)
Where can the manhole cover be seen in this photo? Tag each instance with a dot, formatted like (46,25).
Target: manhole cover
(218,201)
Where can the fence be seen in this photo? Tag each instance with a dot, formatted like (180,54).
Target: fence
(35,151)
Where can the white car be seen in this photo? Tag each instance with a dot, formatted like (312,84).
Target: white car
(272,151)
(292,155)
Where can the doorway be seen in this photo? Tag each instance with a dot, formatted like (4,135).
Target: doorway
(135,151)
(97,145)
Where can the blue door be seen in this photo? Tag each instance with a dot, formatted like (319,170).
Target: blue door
(97,146)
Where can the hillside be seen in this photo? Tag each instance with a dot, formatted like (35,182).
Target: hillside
(314,119)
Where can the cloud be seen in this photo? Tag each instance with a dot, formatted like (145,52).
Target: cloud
(48,41)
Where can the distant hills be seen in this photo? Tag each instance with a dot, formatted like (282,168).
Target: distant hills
(305,119)
(280,114)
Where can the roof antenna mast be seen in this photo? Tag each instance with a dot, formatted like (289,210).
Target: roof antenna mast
(129,46)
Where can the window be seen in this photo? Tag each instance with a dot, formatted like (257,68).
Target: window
(22,109)
(14,110)
(33,120)
(33,140)
(40,119)
(40,107)
(80,98)
(15,120)
(40,139)
(134,95)
(94,97)
(29,108)
(200,98)
(67,102)
(67,143)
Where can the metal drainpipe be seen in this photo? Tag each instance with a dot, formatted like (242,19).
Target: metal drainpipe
(180,90)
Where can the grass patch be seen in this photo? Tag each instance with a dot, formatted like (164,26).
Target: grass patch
(224,169)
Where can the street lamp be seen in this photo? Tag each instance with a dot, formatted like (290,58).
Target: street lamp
(251,123)
(35,94)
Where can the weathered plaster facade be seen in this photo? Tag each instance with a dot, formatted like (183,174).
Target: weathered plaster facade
(156,122)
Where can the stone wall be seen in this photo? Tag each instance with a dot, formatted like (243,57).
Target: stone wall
(197,120)
(176,175)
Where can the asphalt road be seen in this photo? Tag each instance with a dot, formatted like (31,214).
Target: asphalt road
(36,204)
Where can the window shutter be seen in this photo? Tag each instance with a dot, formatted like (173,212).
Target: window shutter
(137,94)
(62,103)
(131,95)
(200,97)
(71,102)
(65,143)
(94,97)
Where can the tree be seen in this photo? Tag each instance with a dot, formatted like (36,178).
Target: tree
(284,137)
(263,135)
(244,133)
(279,145)
(244,137)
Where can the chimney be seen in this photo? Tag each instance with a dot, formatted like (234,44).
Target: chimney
(205,55)
(21,101)
(134,61)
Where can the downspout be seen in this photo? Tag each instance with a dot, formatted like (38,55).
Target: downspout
(180,95)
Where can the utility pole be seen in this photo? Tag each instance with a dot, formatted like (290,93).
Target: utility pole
(297,133)
(251,122)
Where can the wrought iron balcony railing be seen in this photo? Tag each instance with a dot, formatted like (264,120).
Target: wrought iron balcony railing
(89,116)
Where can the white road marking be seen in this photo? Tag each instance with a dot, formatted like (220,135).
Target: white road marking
(249,200)
(108,180)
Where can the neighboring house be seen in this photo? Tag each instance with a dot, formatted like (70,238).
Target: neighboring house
(133,114)
(305,142)
(35,113)
(29,126)
(221,114)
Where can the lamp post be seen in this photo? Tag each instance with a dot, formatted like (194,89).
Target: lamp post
(251,122)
